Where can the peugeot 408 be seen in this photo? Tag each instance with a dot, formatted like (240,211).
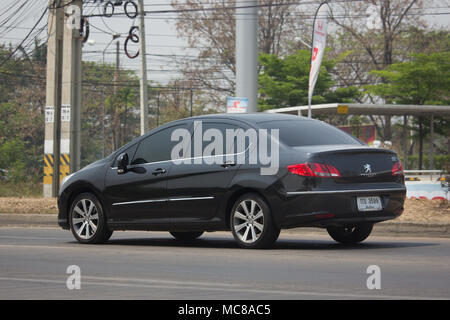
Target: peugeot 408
(323,177)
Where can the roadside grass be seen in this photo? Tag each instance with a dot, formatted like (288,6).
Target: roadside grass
(25,197)
(22,189)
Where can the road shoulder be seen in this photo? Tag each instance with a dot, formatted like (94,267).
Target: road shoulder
(391,228)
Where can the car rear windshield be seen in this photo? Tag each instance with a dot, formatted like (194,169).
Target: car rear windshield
(297,133)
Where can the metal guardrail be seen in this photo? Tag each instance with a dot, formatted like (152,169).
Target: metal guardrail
(416,175)
(423,171)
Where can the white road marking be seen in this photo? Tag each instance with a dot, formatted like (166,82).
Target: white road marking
(31,238)
(180,285)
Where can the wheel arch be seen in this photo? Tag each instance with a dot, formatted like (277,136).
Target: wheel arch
(236,195)
(80,189)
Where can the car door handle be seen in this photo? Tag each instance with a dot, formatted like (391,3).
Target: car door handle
(159,171)
(228,164)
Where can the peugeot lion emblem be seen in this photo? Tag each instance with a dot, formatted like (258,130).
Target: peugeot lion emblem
(367,168)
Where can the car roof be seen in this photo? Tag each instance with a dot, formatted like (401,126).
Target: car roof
(249,118)
(253,118)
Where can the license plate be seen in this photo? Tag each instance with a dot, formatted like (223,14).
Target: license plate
(369,203)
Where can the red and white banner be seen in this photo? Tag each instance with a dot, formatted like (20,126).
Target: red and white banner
(318,48)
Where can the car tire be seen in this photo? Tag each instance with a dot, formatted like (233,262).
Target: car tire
(87,220)
(186,236)
(252,224)
(350,234)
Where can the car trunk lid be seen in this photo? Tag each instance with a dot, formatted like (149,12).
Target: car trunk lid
(357,164)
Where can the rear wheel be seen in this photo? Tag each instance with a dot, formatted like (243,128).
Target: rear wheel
(350,234)
(252,224)
(87,220)
(186,236)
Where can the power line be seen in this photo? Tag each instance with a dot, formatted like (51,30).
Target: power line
(225,8)
(26,37)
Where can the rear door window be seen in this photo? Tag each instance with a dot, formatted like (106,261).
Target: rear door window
(222,128)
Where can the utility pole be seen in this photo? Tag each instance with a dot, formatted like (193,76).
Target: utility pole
(116,74)
(431,142)
(247,54)
(71,90)
(143,60)
(157,115)
(191,100)
(53,99)
(114,37)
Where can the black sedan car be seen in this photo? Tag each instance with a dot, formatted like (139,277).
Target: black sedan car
(183,177)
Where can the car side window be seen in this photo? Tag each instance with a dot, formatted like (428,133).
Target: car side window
(157,147)
(130,151)
(221,127)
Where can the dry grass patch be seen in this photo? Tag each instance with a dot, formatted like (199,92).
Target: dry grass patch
(425,211)
(28,205)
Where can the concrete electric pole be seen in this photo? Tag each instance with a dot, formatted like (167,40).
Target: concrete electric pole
(143,60)
(71,91)
(247,54)
(117,68)
(63,94)
(53,99)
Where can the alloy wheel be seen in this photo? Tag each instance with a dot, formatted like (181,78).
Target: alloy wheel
(248,221)
(85,219)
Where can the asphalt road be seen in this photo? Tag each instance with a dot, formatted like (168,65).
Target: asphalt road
(151,265)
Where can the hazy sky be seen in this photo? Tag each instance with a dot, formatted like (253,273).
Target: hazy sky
(161,36)
(160,30)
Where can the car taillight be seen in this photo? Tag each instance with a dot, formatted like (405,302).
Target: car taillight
(321,170)
(397,169)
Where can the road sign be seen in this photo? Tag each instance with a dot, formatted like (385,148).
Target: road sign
(237,105)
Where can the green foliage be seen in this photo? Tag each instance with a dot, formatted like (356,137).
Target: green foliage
(22,102)
(104,104)
(283,82)
(12,157)
(423,80)
(29,188)
(19,144)
(440,162)
(426,41)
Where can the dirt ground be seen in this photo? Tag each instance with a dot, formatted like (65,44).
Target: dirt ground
(425,211)
(28,205)
(416,210)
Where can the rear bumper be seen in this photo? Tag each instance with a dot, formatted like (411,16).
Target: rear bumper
(321,208)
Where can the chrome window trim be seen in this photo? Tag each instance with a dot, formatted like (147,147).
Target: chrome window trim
(192,158)
(344,191)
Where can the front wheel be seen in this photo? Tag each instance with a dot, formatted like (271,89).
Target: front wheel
(87,220)
(350,234)
(252,223)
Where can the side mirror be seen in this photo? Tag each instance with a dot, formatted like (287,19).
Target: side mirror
(122,163)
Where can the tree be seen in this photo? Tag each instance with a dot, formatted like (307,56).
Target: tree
(108,103)
(212,34)
(283,82)
(423,80)
(372,48)
(22,101)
